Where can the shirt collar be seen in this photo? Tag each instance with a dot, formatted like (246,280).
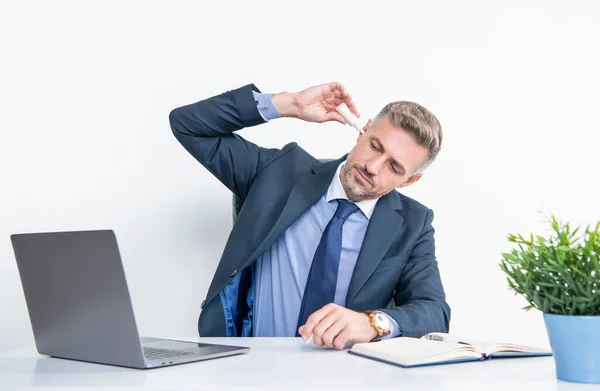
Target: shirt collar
(336,190)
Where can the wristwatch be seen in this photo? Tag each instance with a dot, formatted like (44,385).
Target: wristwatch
(380,322)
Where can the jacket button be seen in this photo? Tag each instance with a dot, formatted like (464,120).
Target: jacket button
(234,272)
(202,304)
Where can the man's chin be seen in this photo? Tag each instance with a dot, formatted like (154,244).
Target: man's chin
(360,192)
(354,185)
(359,186)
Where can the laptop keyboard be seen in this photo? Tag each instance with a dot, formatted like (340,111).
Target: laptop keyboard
(156,353)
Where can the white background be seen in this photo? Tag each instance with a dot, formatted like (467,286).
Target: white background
(86,89)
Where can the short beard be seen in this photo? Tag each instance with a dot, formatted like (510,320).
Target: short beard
(358,190)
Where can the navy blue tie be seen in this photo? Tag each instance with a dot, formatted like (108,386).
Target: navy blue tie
(322,277)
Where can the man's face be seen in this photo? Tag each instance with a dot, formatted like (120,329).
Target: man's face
(384,158)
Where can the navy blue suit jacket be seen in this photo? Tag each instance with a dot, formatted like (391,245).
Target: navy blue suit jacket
(396,270)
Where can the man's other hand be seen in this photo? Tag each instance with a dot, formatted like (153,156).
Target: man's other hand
(334,326)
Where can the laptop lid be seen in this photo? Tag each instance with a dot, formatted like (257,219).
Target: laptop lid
(77,296)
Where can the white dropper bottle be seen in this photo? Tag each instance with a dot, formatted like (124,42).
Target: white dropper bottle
(353,121)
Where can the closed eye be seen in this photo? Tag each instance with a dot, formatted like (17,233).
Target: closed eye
(395,166)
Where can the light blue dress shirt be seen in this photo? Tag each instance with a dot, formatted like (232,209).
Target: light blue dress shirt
(282,271)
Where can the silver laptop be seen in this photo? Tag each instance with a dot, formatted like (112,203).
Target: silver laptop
(79,304)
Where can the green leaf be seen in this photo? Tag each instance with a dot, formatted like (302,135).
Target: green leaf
(556,273)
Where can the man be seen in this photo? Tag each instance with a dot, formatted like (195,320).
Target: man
(323,250)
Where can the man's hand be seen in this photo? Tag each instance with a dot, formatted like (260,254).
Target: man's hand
(315,104)
(334,326)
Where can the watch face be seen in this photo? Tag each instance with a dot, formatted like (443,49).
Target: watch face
(382,322)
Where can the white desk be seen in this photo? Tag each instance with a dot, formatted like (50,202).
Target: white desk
(280,364)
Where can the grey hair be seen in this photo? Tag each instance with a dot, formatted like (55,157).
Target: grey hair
(419,122)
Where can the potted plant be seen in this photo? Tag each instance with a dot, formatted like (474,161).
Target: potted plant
(560,275)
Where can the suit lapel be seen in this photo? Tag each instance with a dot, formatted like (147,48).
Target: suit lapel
(383,226)
(305,192)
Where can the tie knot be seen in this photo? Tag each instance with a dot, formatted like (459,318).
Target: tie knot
(345,208)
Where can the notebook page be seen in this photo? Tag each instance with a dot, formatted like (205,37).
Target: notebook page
(490,348)
(408,351)
(486,347)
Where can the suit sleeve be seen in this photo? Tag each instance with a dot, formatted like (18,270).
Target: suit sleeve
(205,129)
(420,299)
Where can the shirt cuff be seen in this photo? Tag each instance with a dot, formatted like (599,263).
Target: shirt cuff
(265,106)
(395,331)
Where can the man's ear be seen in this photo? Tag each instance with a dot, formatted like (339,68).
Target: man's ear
(411,180)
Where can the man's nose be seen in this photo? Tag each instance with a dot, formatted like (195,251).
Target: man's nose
(374,165)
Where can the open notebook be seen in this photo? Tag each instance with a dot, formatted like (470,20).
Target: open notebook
(439,348)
